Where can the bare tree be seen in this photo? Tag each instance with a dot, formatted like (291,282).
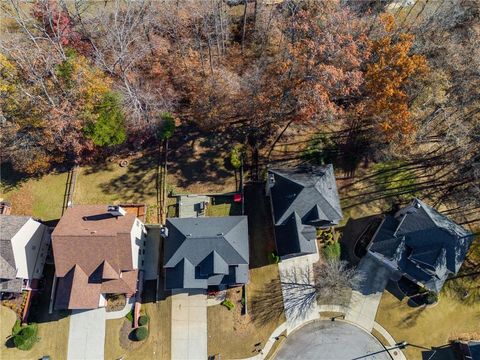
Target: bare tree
(328,282)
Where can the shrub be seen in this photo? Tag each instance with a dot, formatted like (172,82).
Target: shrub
(143,320)
(236,156)
(129,316)
(228,304)
(16,328)
(274,258)
(431,298)
(141,333)
(26,337)
(332,251)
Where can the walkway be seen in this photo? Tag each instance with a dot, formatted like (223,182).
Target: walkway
(121,313)
(365,300)
(86,338)
(189,326)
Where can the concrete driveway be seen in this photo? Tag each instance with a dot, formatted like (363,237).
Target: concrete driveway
(299,300)
(327,340)
(86,338)
(189,325)
(365,300)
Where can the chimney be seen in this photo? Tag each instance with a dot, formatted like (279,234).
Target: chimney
(116,210)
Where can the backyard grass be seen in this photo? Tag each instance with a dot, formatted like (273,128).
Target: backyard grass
(41,198)
(223,206)
(427,327)
(192,169)
(156,346)
(53,338)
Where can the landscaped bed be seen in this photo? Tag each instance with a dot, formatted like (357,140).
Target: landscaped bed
(119,340)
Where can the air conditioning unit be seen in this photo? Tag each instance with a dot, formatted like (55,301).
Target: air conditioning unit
(271,179)
(116,210)
(164,232)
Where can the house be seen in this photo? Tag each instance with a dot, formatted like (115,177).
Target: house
(302,200)
(24,246)
(98,250)
(421,245)
(206,252)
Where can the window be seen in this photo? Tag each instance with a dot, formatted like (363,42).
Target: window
(143,262)
(144,243)
(34,247)
(143,252)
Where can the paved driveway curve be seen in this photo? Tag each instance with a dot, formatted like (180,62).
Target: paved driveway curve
(327,340)
(86,338)
(366,298)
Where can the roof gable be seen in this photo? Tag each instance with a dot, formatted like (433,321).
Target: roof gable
(311,192)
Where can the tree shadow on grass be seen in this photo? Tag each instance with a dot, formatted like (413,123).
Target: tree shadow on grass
(10,178)
(139,181)
(191,166)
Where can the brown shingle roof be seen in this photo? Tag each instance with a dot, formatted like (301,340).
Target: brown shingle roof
(87,235)
(93,255)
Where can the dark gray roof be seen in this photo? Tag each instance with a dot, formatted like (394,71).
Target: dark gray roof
(474,348)
(11,285)
(423,244)
(206,251)
(9,226)
(303,198)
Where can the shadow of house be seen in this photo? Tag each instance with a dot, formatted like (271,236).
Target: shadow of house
(260,225)
(356,236)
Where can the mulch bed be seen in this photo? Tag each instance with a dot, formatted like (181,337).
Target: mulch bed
(125,341)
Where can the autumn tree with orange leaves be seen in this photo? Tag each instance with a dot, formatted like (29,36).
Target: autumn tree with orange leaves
(386,78)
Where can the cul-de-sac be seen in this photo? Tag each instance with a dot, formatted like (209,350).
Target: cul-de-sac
(240,179)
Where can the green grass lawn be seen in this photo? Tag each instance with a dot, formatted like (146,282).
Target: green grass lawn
(53,338)
(223,206)
(427,326)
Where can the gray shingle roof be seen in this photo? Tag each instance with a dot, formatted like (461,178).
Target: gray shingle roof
(11,285)
(9,226)
(303,198)
(423,244)
(206,251)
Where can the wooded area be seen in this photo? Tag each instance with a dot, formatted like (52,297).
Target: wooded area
(81,80)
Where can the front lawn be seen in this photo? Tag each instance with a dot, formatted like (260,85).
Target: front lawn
(234,336)
(53,338)
(427,327)
(157,344)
